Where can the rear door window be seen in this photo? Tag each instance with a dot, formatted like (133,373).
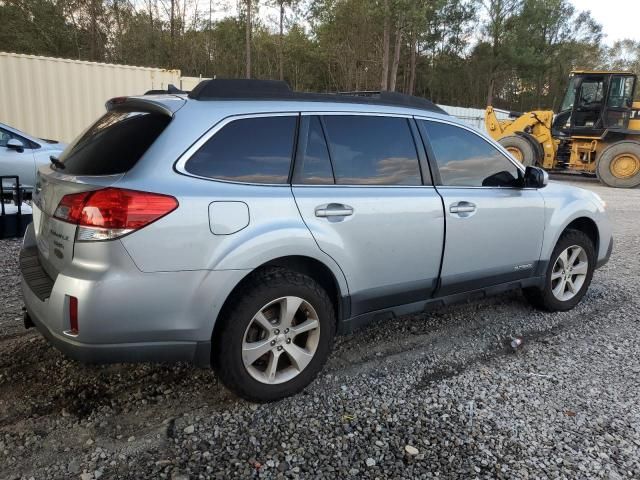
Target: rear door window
(372,150)
(313,165)
(251,150)
(113,144)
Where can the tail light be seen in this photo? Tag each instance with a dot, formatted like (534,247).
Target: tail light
(73,316)
(112,212)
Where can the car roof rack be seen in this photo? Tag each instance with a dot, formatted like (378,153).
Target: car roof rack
(250,89)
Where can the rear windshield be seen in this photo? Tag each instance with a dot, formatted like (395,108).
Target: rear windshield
(114,143)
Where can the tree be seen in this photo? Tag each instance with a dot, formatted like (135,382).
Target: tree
(396,53)
(623,55)
(520,60)
(249,14)
(282,5)
(172,29)
(386,38)
(500,16)
(349,37)
(49,31)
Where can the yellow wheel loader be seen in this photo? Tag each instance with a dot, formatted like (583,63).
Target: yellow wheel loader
(596,131)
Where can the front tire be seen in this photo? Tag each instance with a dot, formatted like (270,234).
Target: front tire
(275,336)
(619,165)
(568,275)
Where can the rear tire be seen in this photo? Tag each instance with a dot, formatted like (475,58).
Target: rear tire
(619,165)
(567,279)
(257,350)
(520,149)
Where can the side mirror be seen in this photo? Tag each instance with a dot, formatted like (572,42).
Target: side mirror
(535,177)
(15,144)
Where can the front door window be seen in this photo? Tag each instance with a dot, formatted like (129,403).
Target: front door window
(589,103)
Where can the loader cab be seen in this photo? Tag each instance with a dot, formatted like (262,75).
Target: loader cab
(595,102)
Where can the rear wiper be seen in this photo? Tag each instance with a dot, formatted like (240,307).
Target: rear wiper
(56,163)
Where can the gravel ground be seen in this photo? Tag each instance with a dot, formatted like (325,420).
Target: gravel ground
(439,395)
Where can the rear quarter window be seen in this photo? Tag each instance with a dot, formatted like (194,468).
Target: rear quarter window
(113,144)
(250,150)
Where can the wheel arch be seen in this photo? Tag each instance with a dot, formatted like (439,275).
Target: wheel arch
(306,265)
(587,226)
(321,273)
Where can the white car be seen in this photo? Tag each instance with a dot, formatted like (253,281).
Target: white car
(22,154)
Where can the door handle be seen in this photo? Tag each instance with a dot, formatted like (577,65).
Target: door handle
(334,210)
(462,207)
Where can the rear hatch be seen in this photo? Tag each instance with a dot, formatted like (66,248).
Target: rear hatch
(56,238)
(98,158)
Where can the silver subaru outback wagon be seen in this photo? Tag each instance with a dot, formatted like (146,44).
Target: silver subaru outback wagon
(244,225)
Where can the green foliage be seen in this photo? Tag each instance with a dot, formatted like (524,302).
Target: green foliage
(623,55)
(37,27)
(515,54)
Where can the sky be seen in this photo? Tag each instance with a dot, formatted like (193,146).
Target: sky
(619,18)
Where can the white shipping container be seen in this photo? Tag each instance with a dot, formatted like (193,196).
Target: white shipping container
(189,83)
(58,98)
(473,116)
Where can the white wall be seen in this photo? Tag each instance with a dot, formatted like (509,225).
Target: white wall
(473,116)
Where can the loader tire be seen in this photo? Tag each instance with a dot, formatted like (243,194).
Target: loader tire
(619,164)
(520,148)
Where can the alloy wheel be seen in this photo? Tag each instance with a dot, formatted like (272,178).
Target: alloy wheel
(569,273)
(281,340)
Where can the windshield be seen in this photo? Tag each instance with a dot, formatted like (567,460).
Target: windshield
(114,143)
(567,103)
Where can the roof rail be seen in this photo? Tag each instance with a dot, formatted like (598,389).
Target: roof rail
(250,89)
(361,93)
(399,99)
(171,89)
(220,88)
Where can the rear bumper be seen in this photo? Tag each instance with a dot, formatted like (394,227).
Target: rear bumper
(601,262)
(198,353)
(124,315)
